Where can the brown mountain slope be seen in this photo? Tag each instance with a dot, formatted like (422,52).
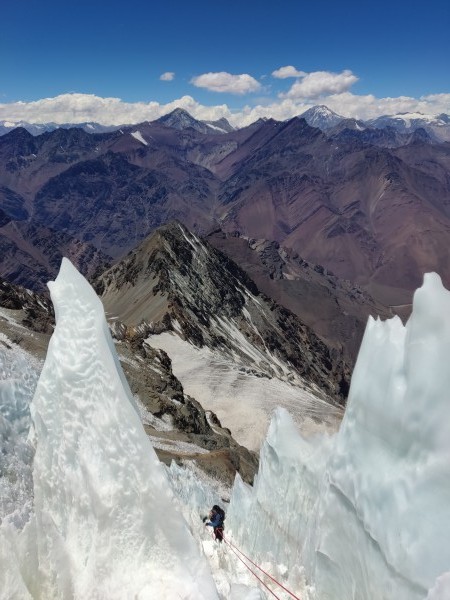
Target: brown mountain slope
(30,255)
(361,211)
(374,214)
(335,309)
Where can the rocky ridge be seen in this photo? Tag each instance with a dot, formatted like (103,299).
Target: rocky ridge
(176,282)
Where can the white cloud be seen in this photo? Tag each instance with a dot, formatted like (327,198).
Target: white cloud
(321,83)
(167,76)
(78,108)
(369,106)
(289,71)
(226,82)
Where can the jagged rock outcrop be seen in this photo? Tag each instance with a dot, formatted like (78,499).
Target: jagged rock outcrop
(35,311)
(149,372)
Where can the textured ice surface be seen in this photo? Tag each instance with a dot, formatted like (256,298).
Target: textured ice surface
(274,522)
(105,525)
(196,494)
(19,373)
(362,515)
(368,513)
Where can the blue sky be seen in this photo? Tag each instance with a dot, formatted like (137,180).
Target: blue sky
(119,50)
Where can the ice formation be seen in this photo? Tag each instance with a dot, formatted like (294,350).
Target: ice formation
(362,515)
(18,377)
(441,589)
(368,512)
(105,523)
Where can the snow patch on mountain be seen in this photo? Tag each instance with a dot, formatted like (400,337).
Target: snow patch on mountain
(322,117)
(242,400)
(219,129)
(138,136)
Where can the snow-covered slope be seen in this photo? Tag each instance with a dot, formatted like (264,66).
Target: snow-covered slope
(242,399)
(366,513)
(105,525)
(436,125)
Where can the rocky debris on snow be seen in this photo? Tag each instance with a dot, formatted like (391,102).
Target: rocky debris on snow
(178,419)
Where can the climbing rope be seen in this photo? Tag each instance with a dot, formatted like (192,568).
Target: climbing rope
(235,551)
(232,546)
(253,572)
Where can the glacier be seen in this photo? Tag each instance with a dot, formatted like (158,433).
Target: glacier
(88,512)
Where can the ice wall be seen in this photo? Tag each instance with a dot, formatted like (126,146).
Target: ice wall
(105,521)
(370,517)
(19,373)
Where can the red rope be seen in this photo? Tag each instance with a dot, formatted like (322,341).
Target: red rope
(258,567)
(253,572)
(233,548)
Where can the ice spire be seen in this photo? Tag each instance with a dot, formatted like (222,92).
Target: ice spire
(106,524)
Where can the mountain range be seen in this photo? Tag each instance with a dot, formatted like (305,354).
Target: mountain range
(358,212)
(438,126)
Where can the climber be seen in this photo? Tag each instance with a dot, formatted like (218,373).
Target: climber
(216,519)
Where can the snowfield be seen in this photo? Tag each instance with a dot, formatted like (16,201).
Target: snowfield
(243,401)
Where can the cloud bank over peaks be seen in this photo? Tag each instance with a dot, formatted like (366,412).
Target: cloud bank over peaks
(226,82)
(80,108)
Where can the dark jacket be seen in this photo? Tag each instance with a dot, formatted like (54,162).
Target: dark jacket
(215,521)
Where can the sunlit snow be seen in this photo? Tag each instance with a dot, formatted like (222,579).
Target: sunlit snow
(360,514)
(138,136)
(242,400)
(367,513)
(105,525)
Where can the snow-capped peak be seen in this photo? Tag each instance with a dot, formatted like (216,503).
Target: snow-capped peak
(322,117)
(180,119)
(438,126)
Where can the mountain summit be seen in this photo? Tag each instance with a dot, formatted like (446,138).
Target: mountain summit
(180,119)
(322,117)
